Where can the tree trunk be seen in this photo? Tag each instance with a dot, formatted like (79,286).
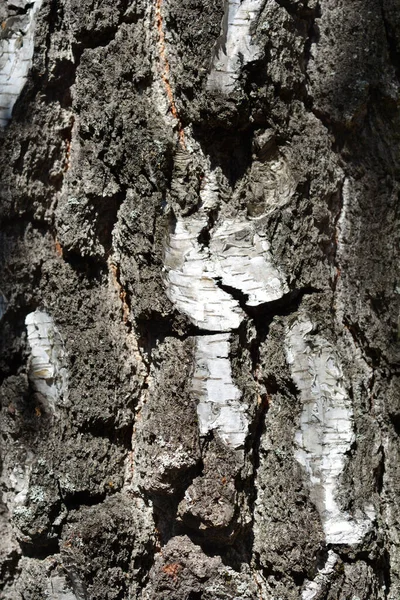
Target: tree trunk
(200,351)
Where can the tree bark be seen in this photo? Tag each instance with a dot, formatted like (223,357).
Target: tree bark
(200,357)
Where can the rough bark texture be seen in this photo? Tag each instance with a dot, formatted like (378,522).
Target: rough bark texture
(200,357)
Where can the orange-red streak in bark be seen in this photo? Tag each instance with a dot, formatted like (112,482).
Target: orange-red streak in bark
(165,72)
(121,293)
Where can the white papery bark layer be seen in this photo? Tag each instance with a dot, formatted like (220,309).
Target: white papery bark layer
(47,370)
(16,52)
(326,429)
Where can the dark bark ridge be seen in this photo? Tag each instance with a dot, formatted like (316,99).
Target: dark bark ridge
(199,300)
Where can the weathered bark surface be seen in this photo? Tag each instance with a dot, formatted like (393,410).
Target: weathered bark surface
(200,358)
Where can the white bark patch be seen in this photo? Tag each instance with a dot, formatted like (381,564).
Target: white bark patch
(219,405)
(14,485)
(16,52)
(314,588)
(209,194)
(19,480)
(237,256)
(47,370)
(326,429)
(242,260)
(344,232)
(191,284)
(344,236)
(195,272)
(236,46)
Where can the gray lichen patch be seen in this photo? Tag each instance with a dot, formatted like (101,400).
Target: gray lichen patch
(210,506)
(121,530)
(41,578)
(19,480)
(16,52)
(47,367)
(3,304)
(271,181)
(165,436)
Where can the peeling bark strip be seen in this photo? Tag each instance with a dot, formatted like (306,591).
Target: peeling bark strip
(219,405)
(319,585)
(236,47)
(237,256)
(16,52)
(326,430)
(191,281)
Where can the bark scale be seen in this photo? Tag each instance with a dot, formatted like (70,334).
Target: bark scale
(200,393)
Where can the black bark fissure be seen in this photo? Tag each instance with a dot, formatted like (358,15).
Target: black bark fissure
(391,40)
